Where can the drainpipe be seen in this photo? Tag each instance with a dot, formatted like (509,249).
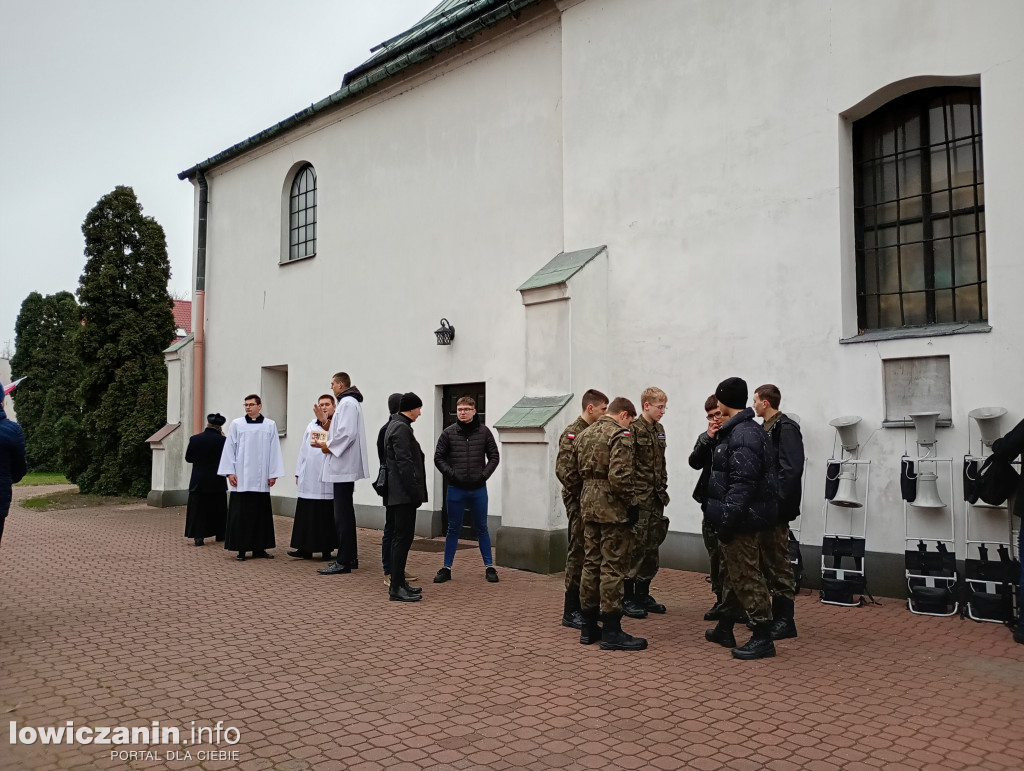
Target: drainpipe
(198,344)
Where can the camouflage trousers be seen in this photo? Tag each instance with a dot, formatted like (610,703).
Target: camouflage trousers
(775,564)
(607,547)
(715,556)
(649,534)
(745,590)
(574,557)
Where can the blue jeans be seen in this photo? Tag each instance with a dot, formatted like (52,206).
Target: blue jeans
(458,500)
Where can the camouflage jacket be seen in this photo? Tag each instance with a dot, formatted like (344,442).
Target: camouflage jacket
(650,479)
(565,465)
(604,460)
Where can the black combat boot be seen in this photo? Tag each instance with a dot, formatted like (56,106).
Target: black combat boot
(642,594)
(590,632)
(630,606)
(722,634)
(760,645)
(614,639)
(716,610)
(571,617)
(783,627)
(1018,634)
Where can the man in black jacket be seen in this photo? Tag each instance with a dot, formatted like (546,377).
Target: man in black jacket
(13,464)
(389,526)
(700,460)
(742,491)
(466,455)
(1007,448)
(207,510)
(788,455)
(406,490)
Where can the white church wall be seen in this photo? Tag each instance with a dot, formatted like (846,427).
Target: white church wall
(706,148)
(436,202)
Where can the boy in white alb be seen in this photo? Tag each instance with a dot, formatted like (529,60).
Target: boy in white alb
(252,462)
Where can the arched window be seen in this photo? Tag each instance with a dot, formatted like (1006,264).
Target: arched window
(919,199)
(302,214)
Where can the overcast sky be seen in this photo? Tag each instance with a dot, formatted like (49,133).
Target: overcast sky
(130,92)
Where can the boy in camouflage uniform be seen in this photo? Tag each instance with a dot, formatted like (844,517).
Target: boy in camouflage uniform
(788,446)
(595,404)
(650,483)
(604,459)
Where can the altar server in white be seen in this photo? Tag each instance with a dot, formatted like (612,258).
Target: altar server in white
(252,462)
(347,463)
(313,529)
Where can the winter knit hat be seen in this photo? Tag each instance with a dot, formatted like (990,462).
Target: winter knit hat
(409,401)
(393,401)
(732,392)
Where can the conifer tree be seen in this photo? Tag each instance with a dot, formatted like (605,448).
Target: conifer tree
(46,353)
(128,322)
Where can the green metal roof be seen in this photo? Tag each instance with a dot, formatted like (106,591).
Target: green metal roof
(563,267)
(448,24)
(179,344)
(533,411)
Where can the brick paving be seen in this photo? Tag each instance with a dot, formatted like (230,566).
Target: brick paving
(111,618)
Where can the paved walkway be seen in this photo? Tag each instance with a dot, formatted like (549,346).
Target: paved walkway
(108,617)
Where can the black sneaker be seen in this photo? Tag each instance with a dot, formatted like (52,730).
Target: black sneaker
(491,575)
(444,574)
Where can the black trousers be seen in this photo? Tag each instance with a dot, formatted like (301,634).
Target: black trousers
(385,541)
(345,522)
(404,527)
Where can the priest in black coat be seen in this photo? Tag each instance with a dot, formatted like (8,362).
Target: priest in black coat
(207,492)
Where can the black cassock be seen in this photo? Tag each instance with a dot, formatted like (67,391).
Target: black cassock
(207,492)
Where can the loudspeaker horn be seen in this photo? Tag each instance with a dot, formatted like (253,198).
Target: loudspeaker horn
(846,495)
(987,419)
(927,492)
(847,428)
(924,424)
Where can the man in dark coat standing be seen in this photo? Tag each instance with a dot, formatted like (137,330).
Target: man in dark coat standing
(1006,449)
(389,522)
(13,464)
(207,492)
(700,460)
(742,502)
(406,490)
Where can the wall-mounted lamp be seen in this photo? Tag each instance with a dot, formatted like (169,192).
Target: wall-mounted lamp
(445,333)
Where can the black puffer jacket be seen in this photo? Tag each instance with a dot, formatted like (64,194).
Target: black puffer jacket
(466,454)
(407,467)
(1007,448)
(700,460)
(743,488)
(788,446)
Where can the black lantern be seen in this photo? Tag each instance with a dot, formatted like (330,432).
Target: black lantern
(445,333)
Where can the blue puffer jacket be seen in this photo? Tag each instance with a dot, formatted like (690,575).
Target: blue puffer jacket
(743,488)
(12,459)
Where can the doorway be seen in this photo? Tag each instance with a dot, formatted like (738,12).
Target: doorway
(450,396)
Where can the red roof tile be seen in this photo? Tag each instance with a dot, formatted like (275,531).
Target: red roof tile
(183,315)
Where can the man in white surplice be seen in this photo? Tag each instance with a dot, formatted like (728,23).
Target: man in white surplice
(252,462)
(347,462)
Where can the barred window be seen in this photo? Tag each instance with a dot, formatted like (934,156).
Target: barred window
(302,214)
(919,200)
